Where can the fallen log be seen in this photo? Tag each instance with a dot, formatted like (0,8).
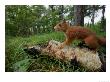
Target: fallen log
(88,59)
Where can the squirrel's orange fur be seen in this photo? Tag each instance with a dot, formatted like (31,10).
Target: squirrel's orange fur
(81,33)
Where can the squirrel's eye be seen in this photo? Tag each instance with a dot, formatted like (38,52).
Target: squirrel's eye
(60,25)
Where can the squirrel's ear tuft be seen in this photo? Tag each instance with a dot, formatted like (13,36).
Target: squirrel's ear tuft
(64,21)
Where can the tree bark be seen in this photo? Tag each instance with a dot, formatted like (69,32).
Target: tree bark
(103,18)
(79,15)
(93,15)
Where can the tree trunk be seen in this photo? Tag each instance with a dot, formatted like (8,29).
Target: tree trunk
(93,15)
(103,22)
(79,15)
(72,14)
(61,12)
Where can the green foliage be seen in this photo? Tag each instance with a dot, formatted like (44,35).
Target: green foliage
(21,20)
(23,65)
(97,28)
(25,20)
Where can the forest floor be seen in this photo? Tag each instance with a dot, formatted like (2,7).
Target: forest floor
(17,60)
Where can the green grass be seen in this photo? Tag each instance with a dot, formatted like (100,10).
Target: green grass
(14,47)
(18,60)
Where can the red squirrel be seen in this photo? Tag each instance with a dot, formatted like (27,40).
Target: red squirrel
(80,33)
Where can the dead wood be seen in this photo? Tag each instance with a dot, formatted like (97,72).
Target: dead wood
(88,59)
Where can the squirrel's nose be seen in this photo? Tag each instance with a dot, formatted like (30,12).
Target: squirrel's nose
(55,27)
